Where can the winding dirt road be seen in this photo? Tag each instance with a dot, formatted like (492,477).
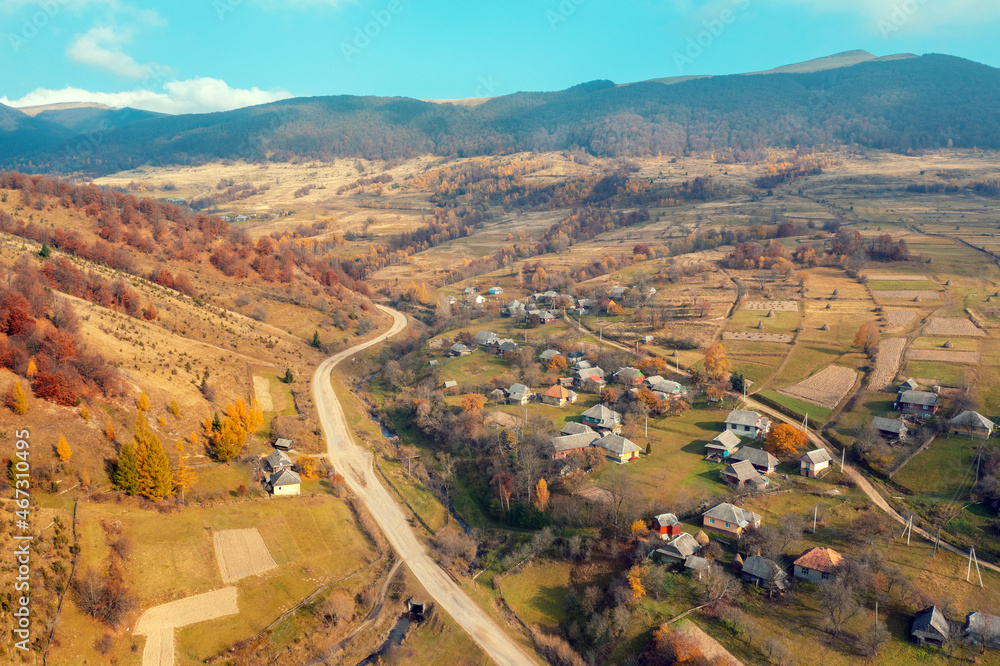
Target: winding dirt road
(355,464)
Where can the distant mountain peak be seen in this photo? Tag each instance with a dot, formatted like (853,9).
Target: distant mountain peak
(63,106)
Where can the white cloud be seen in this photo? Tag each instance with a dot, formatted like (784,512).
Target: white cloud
(201,95)
(910,16)
(100,47)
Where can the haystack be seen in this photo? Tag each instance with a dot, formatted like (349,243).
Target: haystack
(770,313)
(760,324)
(948,283)
(824,327)
(948,345)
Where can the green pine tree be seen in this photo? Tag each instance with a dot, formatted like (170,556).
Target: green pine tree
(317,343)
(288,376)
(126,474)
(649,448)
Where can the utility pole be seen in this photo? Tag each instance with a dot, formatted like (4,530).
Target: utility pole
(843,452)
(647,426)
(815,513)
(968,571)
(937,540)
(909,529)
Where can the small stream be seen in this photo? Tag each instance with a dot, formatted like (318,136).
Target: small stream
(396,636)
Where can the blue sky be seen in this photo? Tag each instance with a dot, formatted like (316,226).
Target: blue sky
(207,55)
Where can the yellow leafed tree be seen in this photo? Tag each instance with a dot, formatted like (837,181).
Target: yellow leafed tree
(17,400)
(541,494)
(63,450)
(143,402)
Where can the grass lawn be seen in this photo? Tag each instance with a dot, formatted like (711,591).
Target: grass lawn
(942,468)
(538,593)
(479,367)
(902,285)
(958,344)
(677,471)
(781,322)
(312,540)
(949,374)
(805,360)
(801,407)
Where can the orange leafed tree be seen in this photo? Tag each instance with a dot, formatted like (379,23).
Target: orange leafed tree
(541,494)
(473,403)
(867,337)
(784,440)
(717,364)
(557,363)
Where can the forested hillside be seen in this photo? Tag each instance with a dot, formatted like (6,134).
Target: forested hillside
(910,104)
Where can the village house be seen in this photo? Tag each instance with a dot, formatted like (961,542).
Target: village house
(513,309)
(762,460)
(618,448)
(916,402)
(458,349)
(564,445)
(817,565)
(724,445)
(814,463)
(593,375)
(475,299)
(546,317)
(744,474)
(519,394)
(982,629)
(603,418)
(548,355)
(277,461)
(493,291)
(574,428)
(285,482)
(661,385)
(558,396)
(617,292)
(283,444)
(930,627)
(973,424)
(667,526)
(729,519)
(484,338)
(450,384)
(550,296)
(908,385)
(764,573)
(697,566)
(891,429)
(630,376)
(677,550)
(747,424)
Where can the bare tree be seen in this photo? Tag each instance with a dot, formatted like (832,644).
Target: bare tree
(717,585)
(837,601)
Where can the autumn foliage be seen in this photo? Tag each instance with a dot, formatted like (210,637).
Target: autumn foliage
(717,365)
(784,440)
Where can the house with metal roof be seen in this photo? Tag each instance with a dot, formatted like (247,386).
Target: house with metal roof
(671,388)
(678,549)
(562,446)
(630,376)
(450,384)
(982,629)
(604,418)
(584,375)
(890,428)
(916,402)
(519,394)
(725,444)
(277,461)
(666,525)
(730,519)
(762,460)
(486,337)
(747,424)
(930,627)
(764,573)
(285,482)
(814,463)
(909,385)
(743,474)
(549,354)
(546,317)
(458,349)
(973,424)
(618,448)
(817,565)
(574,428)
(283,444)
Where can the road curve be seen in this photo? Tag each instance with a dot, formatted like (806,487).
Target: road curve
(355,464)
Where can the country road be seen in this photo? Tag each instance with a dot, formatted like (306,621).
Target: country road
(355,464)
(863,483)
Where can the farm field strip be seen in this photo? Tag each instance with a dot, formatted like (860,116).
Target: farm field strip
(890,352)
(906,293)
(748,336)
(953,326)
(899,318)
(826,388)
(241,553)
(777,306)
(946,355)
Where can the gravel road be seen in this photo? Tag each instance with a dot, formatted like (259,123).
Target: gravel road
(355,464)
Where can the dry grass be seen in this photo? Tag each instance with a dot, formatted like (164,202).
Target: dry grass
(746,336)
(953,326)
(945,355)
(890,352)
(241,553)
(826,388)
(922,294)
(777,306)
